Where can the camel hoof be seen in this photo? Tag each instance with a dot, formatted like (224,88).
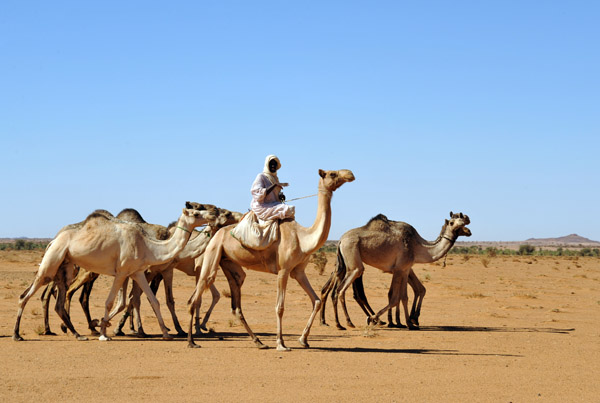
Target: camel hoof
(81,338)
(16,337)
(49,333)
(63,328)
(340,327)
(193,345)
(104,338)
(181,334)
(94,332)
(324,324)
(260,345)
(167,338)
(283,348)
(119,332)
(413,327)
(141,335)
(350,324)
(303,343)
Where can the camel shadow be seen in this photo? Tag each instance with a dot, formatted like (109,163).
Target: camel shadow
(417,351)
(488,329)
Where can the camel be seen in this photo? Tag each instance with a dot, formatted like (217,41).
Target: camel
(287,256)
(86,278)
(419,291)
(188,261)
(393,247)
(114,247)
(51,288)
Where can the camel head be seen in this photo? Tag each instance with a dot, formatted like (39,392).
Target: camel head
(331,180)
(457,225)
(227,217)
(199,214)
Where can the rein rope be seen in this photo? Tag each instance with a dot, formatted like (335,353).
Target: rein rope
(303,197)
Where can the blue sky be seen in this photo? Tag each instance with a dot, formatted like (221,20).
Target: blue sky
(489,108)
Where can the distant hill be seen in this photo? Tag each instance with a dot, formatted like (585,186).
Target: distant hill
(563,240)
(568,241)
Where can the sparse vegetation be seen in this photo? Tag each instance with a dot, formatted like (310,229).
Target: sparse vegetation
(525,250)
(319,260)
(21,244)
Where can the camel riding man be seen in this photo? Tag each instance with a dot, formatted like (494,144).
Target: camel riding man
(267,199)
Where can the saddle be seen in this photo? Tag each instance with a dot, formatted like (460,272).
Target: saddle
(254,233)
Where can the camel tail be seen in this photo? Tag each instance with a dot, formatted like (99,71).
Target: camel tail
(338,273)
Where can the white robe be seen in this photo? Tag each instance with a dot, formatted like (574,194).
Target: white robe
(267,206)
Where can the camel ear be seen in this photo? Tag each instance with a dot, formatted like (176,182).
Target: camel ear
(188,204)
(186,212)
(321,173)
(447,222)
(451,214)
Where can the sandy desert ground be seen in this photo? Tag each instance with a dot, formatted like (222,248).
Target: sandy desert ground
(521,329)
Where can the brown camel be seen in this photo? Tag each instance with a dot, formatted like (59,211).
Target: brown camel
(287,256)
(419,291)
(393,247)
(113,247)
(189,261)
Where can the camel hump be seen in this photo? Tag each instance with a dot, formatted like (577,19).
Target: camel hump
(379,222)
(99,214)
(130,214)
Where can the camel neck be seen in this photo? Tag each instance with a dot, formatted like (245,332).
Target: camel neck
(169,249)
(197,245)
(316,235)
(428,252)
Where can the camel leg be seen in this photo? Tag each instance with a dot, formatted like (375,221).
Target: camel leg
(235,277)
(134,306)
(83,277)
(329,285)
(84,300)
(397,288)
(208,274)
(215,299)
(419,291)
(49,291)
(282,279)
(168,277)
(351,275)
(391,323)
(140,279)
(300,276)
(117,285)
(61,284)
(52,260)
(128,314)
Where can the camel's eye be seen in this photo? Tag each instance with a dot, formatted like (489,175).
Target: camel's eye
(452,222)
(333,175)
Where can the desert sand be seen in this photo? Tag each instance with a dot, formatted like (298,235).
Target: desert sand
(500,329)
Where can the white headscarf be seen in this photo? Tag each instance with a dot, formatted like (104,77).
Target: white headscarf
(272,176)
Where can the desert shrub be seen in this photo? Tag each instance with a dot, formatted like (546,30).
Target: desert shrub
(320,261)
(485,261)
(526,250)
(491,252)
